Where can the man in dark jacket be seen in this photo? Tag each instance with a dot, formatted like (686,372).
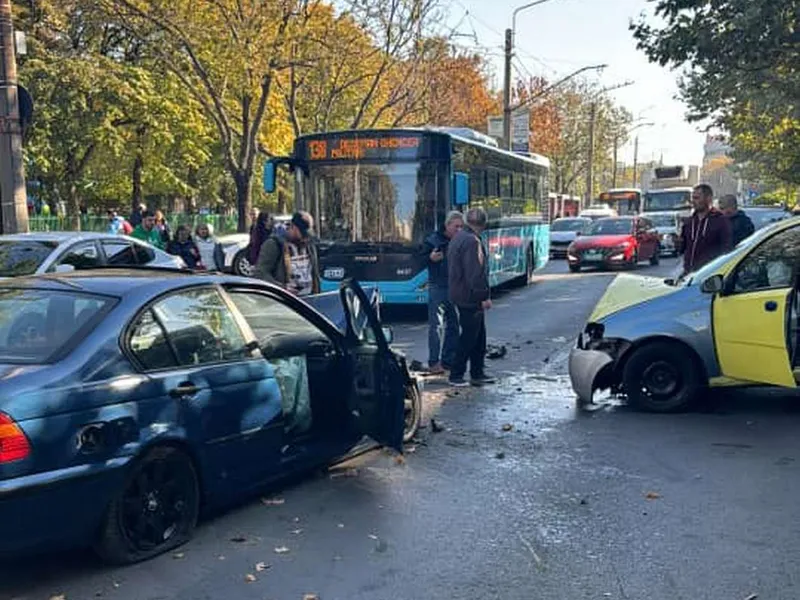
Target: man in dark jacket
(741,225)
(442,317)
(468,282)
(706,234)
(290,260)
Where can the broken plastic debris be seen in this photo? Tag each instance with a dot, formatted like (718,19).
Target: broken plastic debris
(508,427)
(262,566)
(281,550)
(652,495)
(249,578)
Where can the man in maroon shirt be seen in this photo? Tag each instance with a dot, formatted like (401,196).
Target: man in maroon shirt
(706,234)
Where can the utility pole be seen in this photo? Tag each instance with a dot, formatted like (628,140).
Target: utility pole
(13,198)
(590,157)
(635,158)
(509,49)
(614,168)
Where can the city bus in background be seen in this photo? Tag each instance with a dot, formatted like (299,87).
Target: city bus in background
(377,194)
(563,205)
(625,201)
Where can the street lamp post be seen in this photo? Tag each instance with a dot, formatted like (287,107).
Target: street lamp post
(509,53)
(616,148)
(636,149)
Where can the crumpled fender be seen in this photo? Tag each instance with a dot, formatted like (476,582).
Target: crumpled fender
(584,367)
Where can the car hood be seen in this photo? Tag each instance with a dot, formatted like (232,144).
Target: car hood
(600,241)
(629,290)
(562,236)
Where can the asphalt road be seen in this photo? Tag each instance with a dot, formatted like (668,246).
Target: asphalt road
(520,495)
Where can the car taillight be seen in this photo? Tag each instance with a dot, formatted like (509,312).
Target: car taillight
(13,443)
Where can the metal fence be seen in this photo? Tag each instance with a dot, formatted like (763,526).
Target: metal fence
(222,224)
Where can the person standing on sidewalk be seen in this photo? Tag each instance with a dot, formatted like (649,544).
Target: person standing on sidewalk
(442,317)
(468,282)
(706,234)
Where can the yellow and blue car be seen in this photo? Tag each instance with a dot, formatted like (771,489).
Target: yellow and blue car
(734,322)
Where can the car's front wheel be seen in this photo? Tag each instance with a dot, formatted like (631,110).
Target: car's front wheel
(156,510)
(661,377)
(241,264)
(413,411)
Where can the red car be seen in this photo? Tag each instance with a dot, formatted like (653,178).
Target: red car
(615,242)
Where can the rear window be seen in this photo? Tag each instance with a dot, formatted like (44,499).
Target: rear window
(23,257)
(38,326)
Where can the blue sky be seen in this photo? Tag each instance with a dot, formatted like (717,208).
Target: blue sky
(561,36)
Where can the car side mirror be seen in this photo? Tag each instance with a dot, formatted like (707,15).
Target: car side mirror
(64,269)
(712,285)
(388,333)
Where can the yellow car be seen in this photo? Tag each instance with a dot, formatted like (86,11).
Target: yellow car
(734,322)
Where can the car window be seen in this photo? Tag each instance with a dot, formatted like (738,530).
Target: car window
(118,252)
(149,344)
(23,257)
(611,226)
(201,327)
(770,265)
(37,325)
(268,317)
(81,256)
(144,254)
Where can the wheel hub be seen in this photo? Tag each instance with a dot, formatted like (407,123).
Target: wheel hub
(660,379)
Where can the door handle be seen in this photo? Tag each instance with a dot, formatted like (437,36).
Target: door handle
(770,306)
(184,390)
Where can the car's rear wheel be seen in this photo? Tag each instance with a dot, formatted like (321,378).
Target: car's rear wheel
(156,510)
(413,411)
(241,264)
(661,377)
(656,258)
(575,268)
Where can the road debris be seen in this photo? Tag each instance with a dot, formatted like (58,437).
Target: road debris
(652,495)
(250,578)
(273,501)
(351,472)
(59,597)
(262,566)
(500,455)
(178,555)
(310,597)
(281,550)
(495,351)
(239,539)
(399,459)
(507,427)
(529,546)
(296,531)
(415,365)
(752,597)
(435,426)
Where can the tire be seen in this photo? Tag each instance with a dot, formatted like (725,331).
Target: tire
(161,495)
(413,411)
(656,258)
(661,377)
(574,268)
(241,264)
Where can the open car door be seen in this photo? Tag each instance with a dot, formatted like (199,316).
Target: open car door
(378,388)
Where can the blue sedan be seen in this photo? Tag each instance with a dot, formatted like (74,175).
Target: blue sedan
(131,400)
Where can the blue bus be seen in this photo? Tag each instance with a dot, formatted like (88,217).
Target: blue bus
(376,194)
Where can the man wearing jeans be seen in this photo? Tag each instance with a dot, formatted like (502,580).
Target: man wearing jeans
(442,318)
(468,278)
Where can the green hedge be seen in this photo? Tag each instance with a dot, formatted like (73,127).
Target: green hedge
(222,224)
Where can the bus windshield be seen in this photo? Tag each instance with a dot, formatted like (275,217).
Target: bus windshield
(623,202)
(667,200)
(366,202)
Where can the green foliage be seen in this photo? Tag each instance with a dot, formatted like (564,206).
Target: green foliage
(742,71)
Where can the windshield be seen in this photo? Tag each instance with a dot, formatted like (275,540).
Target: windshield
(37,325)
(23,257)
(625,203)
(664,220)
(674,200)
(390,202)
(762,218)
(568,225)
(611,227)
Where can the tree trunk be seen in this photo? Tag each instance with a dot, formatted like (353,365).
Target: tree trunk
(73,207)
(281,202)
(243,199)
(136,181)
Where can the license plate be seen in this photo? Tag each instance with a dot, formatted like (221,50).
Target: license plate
(592,256)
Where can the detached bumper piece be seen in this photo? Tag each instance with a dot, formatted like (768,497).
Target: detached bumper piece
(584,368)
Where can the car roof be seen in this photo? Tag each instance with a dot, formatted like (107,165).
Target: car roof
(123,281)
(57,236)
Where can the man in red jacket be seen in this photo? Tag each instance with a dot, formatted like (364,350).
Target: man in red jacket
(706,234)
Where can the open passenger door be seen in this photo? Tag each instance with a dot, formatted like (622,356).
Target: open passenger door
(378,388)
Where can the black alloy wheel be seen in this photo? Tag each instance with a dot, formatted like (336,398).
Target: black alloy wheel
(661,377)
(413,411)
(156,511)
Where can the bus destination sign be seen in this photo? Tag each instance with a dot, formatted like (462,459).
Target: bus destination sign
(359,148)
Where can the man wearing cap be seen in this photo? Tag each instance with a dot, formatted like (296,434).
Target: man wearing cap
(290,260)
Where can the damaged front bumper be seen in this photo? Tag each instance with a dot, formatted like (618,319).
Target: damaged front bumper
(592,363)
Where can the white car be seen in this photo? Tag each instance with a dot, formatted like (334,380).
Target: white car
(37,253)
(668,226)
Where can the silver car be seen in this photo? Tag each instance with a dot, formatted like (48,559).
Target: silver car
(668,226)
(235,249)
(50,252)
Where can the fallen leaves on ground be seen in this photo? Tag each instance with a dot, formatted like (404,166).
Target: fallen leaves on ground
(262,566)
(272,501)
(281,550)
(250,578)
(508,427)
(652,495)
(352,472)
